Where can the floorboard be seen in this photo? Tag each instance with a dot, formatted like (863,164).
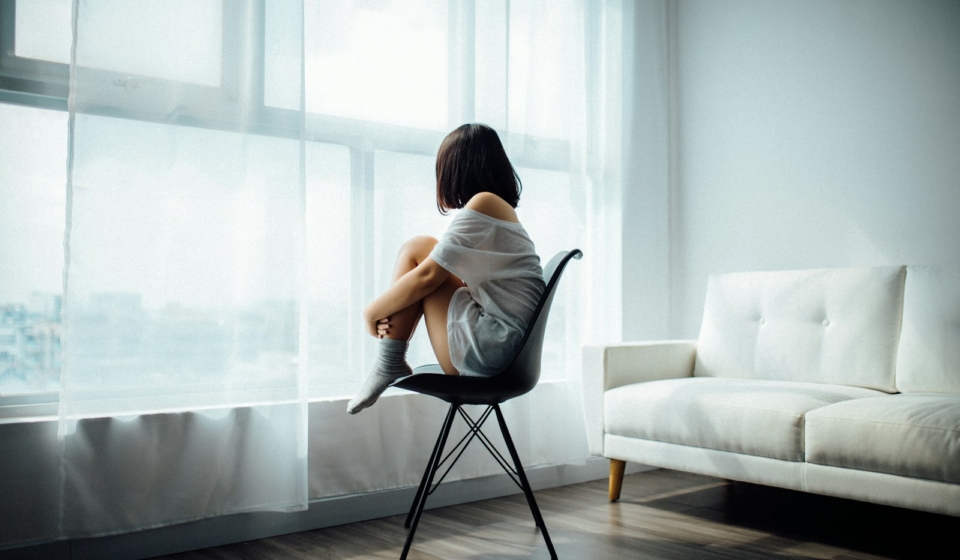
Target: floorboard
(662,514)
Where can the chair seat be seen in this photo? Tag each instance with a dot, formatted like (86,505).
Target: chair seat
(458,389)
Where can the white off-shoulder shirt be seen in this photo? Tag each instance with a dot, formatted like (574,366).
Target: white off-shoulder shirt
(498,262)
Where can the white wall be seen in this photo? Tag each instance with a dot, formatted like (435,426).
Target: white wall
(645,225)
(811,134)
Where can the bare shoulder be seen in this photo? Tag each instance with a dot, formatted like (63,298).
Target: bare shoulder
(493,206)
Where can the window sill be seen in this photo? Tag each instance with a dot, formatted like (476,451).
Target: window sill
(45,408)
(13,414)
(37,407)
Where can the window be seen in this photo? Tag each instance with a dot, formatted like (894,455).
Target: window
(383,62)
(43,30)
(33,148)
(384,83)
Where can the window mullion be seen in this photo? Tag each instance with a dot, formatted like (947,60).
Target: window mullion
(233,37)
(249,51)
(461,61)
(361,249)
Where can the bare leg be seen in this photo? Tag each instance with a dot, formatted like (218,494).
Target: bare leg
(391,363)
(433,307)
(412,253)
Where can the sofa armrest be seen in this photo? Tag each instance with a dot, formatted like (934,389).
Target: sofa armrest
(610,366)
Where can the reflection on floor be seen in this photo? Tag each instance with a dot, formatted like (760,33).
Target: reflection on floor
(661,514)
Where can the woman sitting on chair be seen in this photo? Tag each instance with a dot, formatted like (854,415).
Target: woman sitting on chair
(477,287)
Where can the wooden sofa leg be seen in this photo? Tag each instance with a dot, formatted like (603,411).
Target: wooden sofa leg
(616,478)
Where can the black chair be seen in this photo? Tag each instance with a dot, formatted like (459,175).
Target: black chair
(519,377)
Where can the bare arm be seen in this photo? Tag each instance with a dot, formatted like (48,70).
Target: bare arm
(428,275)
(406,291)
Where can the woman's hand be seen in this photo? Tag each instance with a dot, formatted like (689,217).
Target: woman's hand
(383,327)
(376,327)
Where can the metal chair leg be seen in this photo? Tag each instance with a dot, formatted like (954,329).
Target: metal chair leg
(528,492)
(423,481)
(432,470)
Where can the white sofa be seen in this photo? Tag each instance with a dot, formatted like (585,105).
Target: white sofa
(842,382)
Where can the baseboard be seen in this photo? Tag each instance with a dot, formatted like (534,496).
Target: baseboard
(327,512)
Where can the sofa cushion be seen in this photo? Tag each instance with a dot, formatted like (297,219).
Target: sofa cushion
(825,326)
(755,417)
(915,435)
(929,357)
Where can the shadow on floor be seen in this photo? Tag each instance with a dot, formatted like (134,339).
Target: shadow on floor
(789,516)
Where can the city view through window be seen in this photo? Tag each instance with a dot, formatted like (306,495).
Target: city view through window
(32,220)
(30,345)
(363,199)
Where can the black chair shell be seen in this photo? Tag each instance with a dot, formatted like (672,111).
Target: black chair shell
(521,374)
(519,377)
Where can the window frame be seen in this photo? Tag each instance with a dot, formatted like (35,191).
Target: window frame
(26,81)
(45,84)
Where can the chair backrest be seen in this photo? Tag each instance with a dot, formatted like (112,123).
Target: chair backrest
(523,372)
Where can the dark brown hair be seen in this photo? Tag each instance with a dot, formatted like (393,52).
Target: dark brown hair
(472,160)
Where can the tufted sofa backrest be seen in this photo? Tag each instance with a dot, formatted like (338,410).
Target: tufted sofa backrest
(929,356)
(837,326)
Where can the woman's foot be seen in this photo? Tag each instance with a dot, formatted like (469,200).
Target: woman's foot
(391,365)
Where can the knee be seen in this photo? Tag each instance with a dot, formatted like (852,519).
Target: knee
(419,247)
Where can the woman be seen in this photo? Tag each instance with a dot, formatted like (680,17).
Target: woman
(476,288)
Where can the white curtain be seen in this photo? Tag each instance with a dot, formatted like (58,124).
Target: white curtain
(385,82)
(241,176)
(183,392)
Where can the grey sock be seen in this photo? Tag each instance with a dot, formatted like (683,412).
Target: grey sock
(391,365)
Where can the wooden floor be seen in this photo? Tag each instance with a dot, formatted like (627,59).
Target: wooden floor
(661,514)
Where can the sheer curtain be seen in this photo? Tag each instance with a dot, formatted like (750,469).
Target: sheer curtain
(241,176)
(385,82)
(183,392)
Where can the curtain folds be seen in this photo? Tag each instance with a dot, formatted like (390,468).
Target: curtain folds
(548,76)
(183,393)
(241,176)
